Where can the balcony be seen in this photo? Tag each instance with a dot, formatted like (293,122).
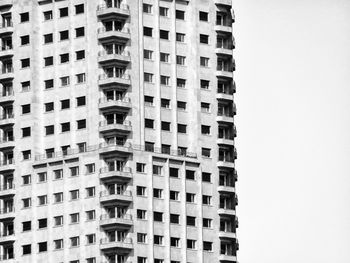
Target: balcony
(110,220)
(225,49)
(110,57)
(227,235)
(119,196)
(112,80)
(7,165)
(117,103)
(226,115)
(115,147)
(6,28)
(121,126)
(6,51)
(227,212)
(7,74)
(7,190)
(225,71)
(226,189)
(114,173)
(226,162)
(7,238)
(120,34)
(7,213)
(7,143)
(7,97)
(122,244)
(5,3)
(8,258)
(227,258)
(226,139)
(110,10)
(223,26)
(223,2)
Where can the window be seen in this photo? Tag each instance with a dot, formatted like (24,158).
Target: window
(149,100)
(74,241)
(157,193)
(190,198)
(90,239)
(91,260)
(174,242)
(74,194)
(141,214)
(205,130)
(165,80)
(141,191)
(24,17)
(164,57)
(90,215)
(164,34)
(205,107)
(48,38)
(80,78)
(141,237)
(80,32)
(147,31)
(48,15)
(65,104)
(158,216)
(191,221)
(74,218)
(25,108)
(147,54)
(190,175)
(64,58)
(42,247)
(191,244)
(149,146)
(174,195)
(157,260)
(50,152)
(147,8)
(58,244)
(81,147)
(26,226)
(207,222)
(27,202)
(79,9)
(173,172)
(203,16)
(204,84)
(90,192)
(25,86)
(180,37)
(165,126)
(81,124)
(81,101)
(174,219)
(27,179)
(204,39)
(207,246)
(63,11)
(180,14)
(157,170)
(42,200)
(42,177)
(165,103)
(42,223)
(180,83)
(58,174)
(64,81)
(165,149)
(26,249)
(65,127)
(140,167)
(141,260)
(64,35)
(180,60)
(25,40)
(48,84)
(74,171)
(181,128)
(80,54)
(49,129)
(163,11)
(204,62)
(206,152)
(26,132)
(206,200)
(181,105)
(149,123)
(58,220)
(90,168)
(25,63)
(148,77)
(158,240)
(58,197)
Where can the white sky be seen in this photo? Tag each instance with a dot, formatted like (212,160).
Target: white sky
(293,122)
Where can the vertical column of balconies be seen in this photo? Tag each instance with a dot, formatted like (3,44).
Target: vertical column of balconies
(7,145)
(115,130)
(226,131)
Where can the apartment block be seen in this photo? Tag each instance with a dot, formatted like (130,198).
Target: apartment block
(117,131)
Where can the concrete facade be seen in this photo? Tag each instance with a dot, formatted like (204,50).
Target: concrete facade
(117,131)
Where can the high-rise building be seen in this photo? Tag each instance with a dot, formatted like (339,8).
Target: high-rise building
(117,131)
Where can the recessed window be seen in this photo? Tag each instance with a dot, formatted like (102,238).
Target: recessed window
(191,221)
(48,15)
(58,244)
(180,37)
(80,78)
(173,172)
(58,220)
(141,214)
(147,8)
(207,222)
(65,81)
(79,9)
(141,260)
(80,32)
(48,61)
(81,124)
(165,80)
(205,107)
(42,223)
(80,54)
(74,171)
(191,244)
(158,216)
(26,154)
(25,86)
(140,167)
(24,17)
(49,106)
(206,152)
(48,38)
(190,198)
(74,218)
(174,219)
(163,11)
(64,58)
(157,193)
(174,242)
(147,31)
(181,105)
(90,215)
(181,60)
(74,194)
(204,39)
(48,83)
(25,40)
(149,101)
(26,109)
(90,168)
(206,200)
(26,249)
(58,197)
(147,54)
(204,84)
(207,246)
(27,202)
(180,83)
(190,175)
(26,179)
(81,101)
(174,195)
(64,35)
(180,14)
(65,127)
(141,237)
(42,200)
(50,129)
(65,104)
(42,247)
(203,16)
(74,241)
(90,239)
(26,226)
(90,192)
(164,34)
(157,170)
(63,11)
(25,63)
(158,240)
(204,62)
(181,128)
(205,130)
(165,126)
(148,77)
(149,146)
(26,132)
(164,57)
(165,149)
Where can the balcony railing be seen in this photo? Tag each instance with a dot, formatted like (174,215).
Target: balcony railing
(121,30)
(6,93)
(115,169)
(120,143)
(7,187)
(225,67)
(106,123)
(107,240)
(111,52)
(118,99)
(5,48)
(120,76)
(6,70)
(111,5)
(109,216)
(7,162)
(117,192)
(225,45)
(6,24)
(7,210)
(6,139)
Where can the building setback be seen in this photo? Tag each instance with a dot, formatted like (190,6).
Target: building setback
(117,131)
